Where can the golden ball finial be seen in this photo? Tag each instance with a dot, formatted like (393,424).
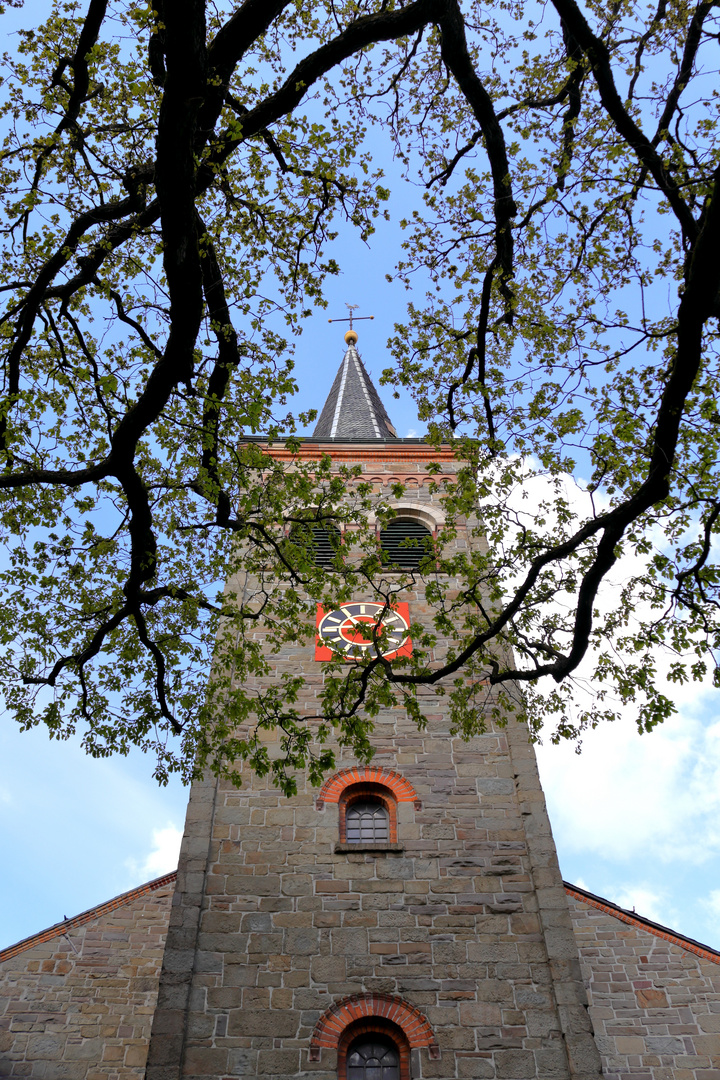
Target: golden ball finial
(351,338)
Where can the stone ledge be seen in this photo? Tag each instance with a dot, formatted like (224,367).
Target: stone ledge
(349,849)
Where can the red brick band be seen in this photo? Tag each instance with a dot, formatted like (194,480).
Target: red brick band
(416,454)
(331,1025)
(332,789)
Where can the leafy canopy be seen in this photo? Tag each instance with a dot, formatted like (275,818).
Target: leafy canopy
(173,176)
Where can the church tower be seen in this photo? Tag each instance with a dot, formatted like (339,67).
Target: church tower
(407,919)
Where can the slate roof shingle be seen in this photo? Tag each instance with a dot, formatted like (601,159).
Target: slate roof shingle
(353,409)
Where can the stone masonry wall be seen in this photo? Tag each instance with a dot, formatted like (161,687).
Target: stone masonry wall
(466,922)
(655,1005)
(77,1001)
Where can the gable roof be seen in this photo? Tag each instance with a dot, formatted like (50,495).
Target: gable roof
(633,919)
(60,929)
(353,409)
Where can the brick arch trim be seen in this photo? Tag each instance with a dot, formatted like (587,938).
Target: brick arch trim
(333,788)
(331,1025)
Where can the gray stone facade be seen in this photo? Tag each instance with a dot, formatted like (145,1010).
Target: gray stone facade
(61,1018)
(465,921)
(654,999)
(77,1000)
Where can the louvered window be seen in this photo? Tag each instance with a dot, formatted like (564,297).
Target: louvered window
(404,543)
(326,539)
(373,1059)
(367,823)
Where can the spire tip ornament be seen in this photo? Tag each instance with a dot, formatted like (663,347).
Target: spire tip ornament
(351,335)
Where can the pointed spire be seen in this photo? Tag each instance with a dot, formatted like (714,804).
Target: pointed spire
(353,409)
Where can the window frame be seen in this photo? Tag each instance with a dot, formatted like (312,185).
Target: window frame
(373,1026)
(367,1039)
(379,809)
(368,792)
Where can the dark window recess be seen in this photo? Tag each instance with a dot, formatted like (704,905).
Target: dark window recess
(325,548)
(373,1060)
(367,823)
(405,543)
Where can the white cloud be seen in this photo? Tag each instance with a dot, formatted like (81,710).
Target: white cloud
(628,796)
(412,433)
(162,857)
(535,492)
(644,901)
(711,903)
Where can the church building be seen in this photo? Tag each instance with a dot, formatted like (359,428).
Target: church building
(407,919)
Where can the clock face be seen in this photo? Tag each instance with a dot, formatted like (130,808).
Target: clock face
(353,629)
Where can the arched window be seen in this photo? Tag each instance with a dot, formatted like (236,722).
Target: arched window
(373,1034)
(367,822)
(373,1057)
(368,815)
(405,543)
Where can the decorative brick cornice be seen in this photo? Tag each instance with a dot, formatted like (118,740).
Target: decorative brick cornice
(331,1025)
(633,919)
(332,789)
(60,929)
(418,452)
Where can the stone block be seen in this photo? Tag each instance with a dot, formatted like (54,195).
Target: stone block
(704,1044)
(239,974)
(475,1066)
(242,1062)
(265,1023)
(205,1061)
(350,942)
(514,1064)
(256,921)
(45,1047)
(255,885)
(302,941)
(278,1062)
(59,1070)
(494,990)
(552,1061)
(88,1050)
(479,1014)
(630,1044)
(449,952)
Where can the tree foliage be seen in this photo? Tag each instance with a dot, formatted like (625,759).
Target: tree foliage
(173,175)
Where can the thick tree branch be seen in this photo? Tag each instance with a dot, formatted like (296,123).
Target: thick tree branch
(81,78)
(599,57)
(457,57)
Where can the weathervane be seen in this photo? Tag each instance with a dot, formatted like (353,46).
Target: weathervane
(351,336)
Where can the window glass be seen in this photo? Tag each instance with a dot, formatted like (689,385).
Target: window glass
(367,823)
(405,543)
(373,1058)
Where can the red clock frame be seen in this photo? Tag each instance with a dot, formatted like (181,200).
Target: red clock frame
(322,652)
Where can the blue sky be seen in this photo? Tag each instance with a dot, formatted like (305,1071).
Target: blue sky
(635,818)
